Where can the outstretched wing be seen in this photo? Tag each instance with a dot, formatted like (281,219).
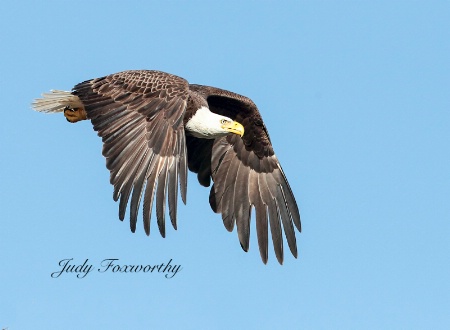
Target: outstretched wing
(139,116)
(246,174)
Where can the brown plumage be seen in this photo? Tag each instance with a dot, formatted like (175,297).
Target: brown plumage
(141,117)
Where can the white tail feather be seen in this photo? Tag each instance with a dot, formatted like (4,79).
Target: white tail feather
(56,101)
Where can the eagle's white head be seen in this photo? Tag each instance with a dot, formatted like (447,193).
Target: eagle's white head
(205,124)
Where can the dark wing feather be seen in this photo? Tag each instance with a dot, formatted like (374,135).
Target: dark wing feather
(246,174)
(139,115)
(199,158)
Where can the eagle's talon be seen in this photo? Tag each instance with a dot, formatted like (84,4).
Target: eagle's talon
(74,114)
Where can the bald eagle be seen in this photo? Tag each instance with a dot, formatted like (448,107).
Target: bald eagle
(155,125)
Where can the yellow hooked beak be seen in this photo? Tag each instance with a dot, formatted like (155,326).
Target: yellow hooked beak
(234,127)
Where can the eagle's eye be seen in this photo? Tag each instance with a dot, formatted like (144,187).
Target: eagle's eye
(223,121)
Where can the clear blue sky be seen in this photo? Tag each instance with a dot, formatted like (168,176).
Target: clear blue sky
(355,95)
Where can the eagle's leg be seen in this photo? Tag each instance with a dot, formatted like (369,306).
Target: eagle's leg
(74,114)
